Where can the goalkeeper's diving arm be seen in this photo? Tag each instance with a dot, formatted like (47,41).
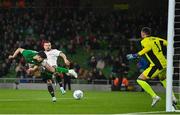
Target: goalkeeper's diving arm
(136,55)
(143,51)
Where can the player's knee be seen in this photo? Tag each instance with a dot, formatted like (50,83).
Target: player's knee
(142,77)
(139,81)
(49,81)
(162,78)
(49,84)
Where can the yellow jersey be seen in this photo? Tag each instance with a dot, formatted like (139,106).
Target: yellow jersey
(153,49)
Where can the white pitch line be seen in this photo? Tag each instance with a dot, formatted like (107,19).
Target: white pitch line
(145,112)
(36,99)
(137,113)
(149,113)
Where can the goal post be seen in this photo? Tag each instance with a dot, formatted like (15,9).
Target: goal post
(170,53)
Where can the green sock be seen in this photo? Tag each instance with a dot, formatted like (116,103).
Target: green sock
(61,70)
(146,87)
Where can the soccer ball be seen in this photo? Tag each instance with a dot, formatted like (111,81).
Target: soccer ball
(78,94)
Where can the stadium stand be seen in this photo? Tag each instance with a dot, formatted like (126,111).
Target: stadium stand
(73,30)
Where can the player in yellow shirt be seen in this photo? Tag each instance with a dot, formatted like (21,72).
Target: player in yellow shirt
(153,48)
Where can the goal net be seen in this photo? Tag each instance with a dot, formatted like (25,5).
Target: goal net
(176,57)
(173,54)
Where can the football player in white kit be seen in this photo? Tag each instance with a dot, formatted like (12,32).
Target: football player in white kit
(52,56)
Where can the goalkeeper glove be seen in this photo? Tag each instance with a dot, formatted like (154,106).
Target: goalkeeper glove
(131,56)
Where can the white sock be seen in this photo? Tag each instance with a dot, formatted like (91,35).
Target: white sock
(61,88)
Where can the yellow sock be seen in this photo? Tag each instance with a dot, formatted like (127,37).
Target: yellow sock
(146,87)
(164,85)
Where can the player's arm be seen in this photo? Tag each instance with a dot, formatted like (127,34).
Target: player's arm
(32,69)
(146,48)
(164,42)
(143,51)
(49,68)
(19,50)
(63,56)
(52,69)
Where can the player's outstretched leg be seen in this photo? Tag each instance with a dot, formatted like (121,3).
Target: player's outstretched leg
(64,70)
(73,73)
(155,100)
(149,90)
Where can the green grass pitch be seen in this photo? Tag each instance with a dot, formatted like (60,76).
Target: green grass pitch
(94,102)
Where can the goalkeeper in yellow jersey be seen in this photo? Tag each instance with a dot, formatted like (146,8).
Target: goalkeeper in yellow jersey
(153,49)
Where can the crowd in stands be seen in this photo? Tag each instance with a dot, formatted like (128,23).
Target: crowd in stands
(71,29)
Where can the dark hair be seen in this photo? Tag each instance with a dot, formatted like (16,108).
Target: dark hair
(42,54)
(42,43)
(146,30)
(46,41)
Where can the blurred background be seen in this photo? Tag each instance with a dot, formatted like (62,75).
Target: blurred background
(95,35)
